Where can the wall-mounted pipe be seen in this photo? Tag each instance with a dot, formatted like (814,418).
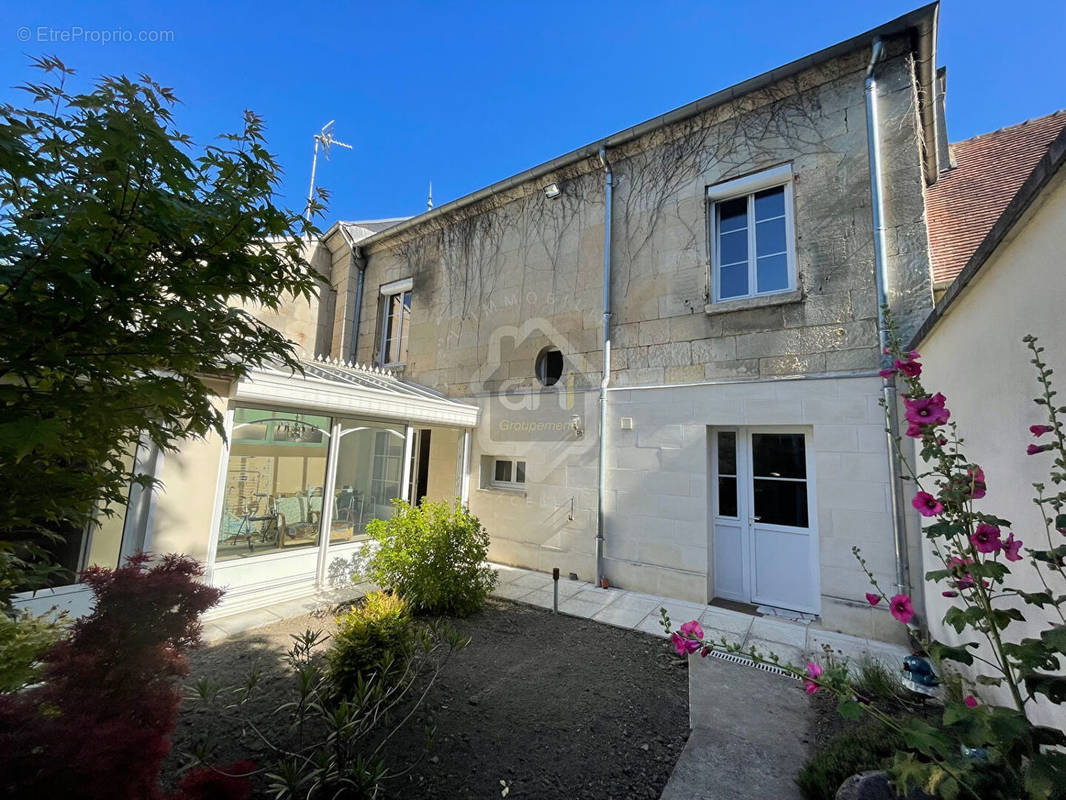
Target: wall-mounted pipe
(356,259)
(605,379)
(888,385)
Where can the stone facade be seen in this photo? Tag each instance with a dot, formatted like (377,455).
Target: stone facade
(496,282)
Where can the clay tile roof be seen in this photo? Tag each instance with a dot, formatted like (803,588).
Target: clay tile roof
(965,201)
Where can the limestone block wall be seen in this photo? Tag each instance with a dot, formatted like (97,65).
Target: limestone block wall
(659,473)
(306,323)
(523,257)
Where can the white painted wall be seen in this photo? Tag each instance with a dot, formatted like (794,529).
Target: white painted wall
(975,356)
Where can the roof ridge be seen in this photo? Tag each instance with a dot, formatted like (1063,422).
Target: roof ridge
(1010,127)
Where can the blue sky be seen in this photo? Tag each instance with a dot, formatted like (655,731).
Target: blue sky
(465,94)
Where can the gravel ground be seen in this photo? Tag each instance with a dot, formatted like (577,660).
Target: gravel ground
(539,705)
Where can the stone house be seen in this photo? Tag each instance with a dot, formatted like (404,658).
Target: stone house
(744,444)
(652,360)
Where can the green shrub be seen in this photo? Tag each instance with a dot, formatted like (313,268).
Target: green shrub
(24,638)
(433,556)
(859,748)
(376,638)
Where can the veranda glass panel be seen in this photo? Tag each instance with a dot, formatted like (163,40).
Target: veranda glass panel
(274,482)
(369,474)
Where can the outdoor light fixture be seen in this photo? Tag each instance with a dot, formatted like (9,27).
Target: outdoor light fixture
(575,426)
(552,190)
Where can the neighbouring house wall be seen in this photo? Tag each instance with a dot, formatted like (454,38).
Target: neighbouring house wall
(308,324)
(443,459)
(184,505)
(976,357)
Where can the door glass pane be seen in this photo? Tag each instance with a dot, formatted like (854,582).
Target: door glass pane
(727,453)
(778,455)
(778,502)
(369,473)
(727,497)
(274,482)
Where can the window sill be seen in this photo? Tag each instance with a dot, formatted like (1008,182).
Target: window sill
(763,301)
(503,490)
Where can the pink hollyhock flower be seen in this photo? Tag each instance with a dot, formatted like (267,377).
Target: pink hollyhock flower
(887,373)
(975,480)
(1011,548)
(986,538)
(1033,449)
(970,701)
(683,645)
(901,608)
(950,594)
(1040,430)
(692,629)
(909,367)
(927,410)
(927,505)
(914,430)
(965,580)
(873,599)
(814,671)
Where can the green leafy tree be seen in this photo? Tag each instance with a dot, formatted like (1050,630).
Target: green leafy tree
(128,260)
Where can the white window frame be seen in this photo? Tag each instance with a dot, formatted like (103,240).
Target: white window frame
(749,186)
(514,483)
(388,292)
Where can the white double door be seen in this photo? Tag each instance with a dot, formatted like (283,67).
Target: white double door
(764,542)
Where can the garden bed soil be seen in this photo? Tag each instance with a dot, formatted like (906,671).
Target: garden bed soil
(539,705)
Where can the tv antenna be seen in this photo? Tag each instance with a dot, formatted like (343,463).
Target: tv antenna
(325,138)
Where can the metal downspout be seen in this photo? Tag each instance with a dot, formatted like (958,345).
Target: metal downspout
(359,259)
(888,385)
(606,377)
(356,258)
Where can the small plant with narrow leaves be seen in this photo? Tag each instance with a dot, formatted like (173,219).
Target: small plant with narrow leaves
(333,744)
(433,556)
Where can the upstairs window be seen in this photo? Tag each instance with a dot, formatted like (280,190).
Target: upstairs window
(752,241)
(395,322)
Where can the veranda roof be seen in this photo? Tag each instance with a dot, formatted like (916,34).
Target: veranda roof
(345,388)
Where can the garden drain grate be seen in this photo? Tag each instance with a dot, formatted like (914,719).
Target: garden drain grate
(747,662)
